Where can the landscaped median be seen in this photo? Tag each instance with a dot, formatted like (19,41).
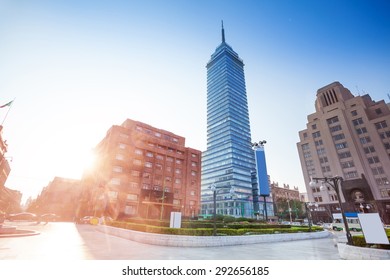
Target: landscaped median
(206,228)
(363,251)
(193,236)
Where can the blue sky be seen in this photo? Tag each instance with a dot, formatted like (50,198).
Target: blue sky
(77,67)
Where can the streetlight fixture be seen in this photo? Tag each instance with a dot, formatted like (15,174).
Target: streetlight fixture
(334,183)
(214,189)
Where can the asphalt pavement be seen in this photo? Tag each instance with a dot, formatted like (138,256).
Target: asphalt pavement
(68,241)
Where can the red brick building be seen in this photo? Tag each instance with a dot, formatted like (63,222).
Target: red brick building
(142,171)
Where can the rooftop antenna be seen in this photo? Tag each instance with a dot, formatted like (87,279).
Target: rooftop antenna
(223,33)
(358,90)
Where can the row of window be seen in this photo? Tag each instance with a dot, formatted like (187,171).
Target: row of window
(157,134)
(150,164)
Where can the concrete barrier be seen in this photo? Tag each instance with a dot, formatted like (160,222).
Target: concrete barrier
(348,252)
(207,241)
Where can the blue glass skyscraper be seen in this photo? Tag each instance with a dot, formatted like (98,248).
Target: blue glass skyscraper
(229,159)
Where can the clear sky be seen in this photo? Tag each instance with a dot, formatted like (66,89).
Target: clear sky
(75,68)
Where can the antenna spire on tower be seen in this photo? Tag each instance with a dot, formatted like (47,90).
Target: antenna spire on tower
(223,33)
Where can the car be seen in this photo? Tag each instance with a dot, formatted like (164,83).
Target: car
(49,217)
(327,225)
(23,216)
(86,219)
(90,220)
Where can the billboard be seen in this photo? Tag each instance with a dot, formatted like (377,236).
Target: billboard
(261,169)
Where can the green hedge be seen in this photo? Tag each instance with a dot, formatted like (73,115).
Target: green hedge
(205,231)
(255,226)
(360,241)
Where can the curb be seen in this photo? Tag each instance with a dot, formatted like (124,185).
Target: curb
(206,241)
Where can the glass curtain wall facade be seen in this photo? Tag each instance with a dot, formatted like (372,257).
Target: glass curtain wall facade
(229,159)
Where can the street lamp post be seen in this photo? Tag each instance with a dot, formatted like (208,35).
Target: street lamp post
(308,208)
(289,207)
(214,189)
(334,183)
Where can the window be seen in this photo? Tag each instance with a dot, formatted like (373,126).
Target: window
(177,181)
(160,157)
(316,134)
(194,164)
(135,173)
(350,174)
(115,181)
(305,147)
(193,173)
(335,128)
(347,164)
(117,169)
(358,121)
(354,113)
(176,201)
(137,162)
(133,185)
(372,160)
(338,136)
(323,160)
(130,210)
(179,161)
(149,154)
(320,151)
(377,170)
(314,127)
(122,146)
(119,157)
(138,152)
(385,192)
(344,155)
(340,146)
(113,195)
(319,143)
(378,111)
(333,120)
(369,149)
(325,168)
(365,140)
(381,124)
(387,146)
(194,156)
(132,197)
(148,164)
(361,130)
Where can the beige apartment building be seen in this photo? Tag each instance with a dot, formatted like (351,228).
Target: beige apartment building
(348,136)
(142,171)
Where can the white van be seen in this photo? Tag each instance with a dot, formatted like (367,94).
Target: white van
(338,223)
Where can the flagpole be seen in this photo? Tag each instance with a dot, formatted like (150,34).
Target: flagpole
(9,108)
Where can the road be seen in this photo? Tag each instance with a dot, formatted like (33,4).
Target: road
(67,241)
